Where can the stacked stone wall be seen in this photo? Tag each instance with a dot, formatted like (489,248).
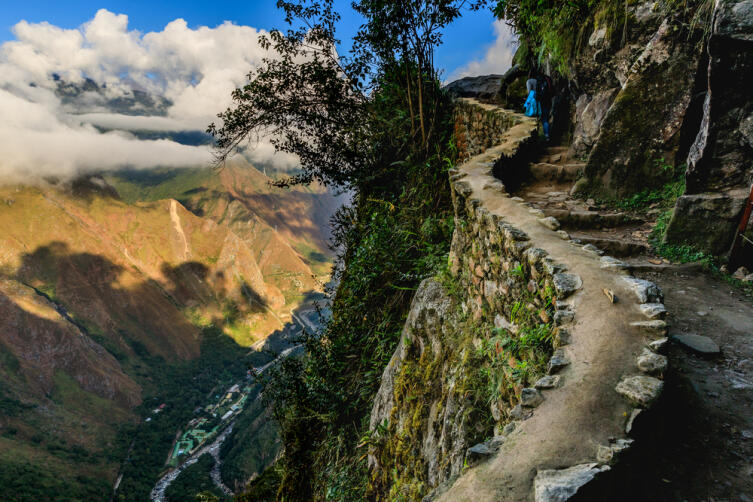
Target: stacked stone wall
(479,127)
(432,420)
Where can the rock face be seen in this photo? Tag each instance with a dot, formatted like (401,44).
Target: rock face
(444,434)
(485,87)
(719,168)
(590,113)
(644,122)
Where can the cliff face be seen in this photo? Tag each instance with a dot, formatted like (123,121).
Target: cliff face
(720,170)
(671,93)
(632,87)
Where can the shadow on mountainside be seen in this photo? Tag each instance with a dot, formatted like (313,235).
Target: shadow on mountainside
(35,345)
(121,306)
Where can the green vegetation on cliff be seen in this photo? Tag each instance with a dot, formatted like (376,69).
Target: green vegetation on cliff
(377,122)
(560,30)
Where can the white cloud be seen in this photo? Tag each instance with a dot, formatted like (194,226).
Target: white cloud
(196,69)
(496,60)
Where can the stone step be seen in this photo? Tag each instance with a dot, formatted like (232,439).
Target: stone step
(550,150)
(590,219)
(613,247)
(543,171)
(555,155)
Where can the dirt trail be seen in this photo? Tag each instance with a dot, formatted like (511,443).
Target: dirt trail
(706,451)
(585,411)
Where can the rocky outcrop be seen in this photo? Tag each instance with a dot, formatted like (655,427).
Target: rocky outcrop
(719,166)
(707,220)
(644,123)
(485,87)
(441,424)
(590,113)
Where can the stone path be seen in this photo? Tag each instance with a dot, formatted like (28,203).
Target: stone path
(573,434)
(701,448)
(615,232)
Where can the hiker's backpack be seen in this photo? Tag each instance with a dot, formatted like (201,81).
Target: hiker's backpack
(543,88)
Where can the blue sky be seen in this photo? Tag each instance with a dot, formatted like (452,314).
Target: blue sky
(468,39)
(182,51)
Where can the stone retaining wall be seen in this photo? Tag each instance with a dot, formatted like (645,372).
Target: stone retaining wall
(560,410)
(480,126)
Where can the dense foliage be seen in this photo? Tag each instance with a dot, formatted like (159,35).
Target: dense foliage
(376,122)
(556,30)
(251,446)
(27,482)
(194,479)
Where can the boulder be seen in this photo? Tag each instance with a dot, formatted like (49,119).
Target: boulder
(707,220)
(640,390)
(560,485)
(719,168)
(645,120)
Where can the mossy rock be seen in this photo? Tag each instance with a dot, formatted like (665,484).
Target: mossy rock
(643,124)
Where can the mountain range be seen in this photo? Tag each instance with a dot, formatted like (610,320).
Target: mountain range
(110,278)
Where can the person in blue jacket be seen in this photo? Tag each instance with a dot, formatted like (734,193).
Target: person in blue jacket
(531,106)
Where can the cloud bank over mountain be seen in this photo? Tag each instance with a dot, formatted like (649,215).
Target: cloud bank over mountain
(70,96)
(498,56)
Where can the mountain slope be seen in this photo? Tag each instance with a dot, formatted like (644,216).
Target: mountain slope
(105,287)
